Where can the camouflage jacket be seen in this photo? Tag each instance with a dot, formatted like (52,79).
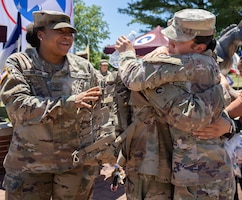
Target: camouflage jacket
(185,92)
(110,117)
(147,148)
(116,96)
(40,101)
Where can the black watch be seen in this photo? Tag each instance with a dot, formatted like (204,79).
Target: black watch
(234,128)
(230,134)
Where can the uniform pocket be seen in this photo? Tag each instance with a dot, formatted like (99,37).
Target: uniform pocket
(12,183)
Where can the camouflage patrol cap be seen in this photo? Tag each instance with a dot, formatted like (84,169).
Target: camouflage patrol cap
(103,61)
(52,19)
(189,23)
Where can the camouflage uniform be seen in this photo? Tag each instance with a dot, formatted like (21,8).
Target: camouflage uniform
(47,127)
(106,74)
(147,161)
(194,161)
(111,116)
(185,92)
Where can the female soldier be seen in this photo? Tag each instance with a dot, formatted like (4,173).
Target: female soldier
(48,94)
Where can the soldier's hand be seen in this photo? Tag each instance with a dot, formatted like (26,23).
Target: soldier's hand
(215,130)
(124,44)
(85,99)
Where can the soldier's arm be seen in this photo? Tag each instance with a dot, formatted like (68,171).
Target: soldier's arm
(25,106)
(186,111)
(217,129)
(155,71)
(223,125)
(181,108)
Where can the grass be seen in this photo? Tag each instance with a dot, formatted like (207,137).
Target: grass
(237,81)
(3,113)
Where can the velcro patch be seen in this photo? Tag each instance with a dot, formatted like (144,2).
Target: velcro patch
(4,74)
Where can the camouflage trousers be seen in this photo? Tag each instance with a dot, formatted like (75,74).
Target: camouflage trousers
(223,190)
(146,187)
(75,184)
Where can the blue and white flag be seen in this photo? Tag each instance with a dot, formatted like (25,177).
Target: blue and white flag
(13,44)
(9,8)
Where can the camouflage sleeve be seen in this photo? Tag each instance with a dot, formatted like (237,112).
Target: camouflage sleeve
(152,73)
(24,106)
(187,111)
(181,108)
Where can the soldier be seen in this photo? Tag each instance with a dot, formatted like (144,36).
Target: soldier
(49,96)
(103,67)
(181,85)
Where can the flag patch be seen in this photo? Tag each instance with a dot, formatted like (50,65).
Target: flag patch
(4,74)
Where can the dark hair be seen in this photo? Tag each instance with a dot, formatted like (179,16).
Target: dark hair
(31,35)
(208,40)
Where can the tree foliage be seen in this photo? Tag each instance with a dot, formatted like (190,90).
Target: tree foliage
(157,12)
(91,29)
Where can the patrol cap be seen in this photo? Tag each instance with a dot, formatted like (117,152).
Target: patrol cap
(103,61)
(189,23)
(52,19)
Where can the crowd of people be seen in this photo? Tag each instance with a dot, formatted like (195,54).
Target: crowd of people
(165,120)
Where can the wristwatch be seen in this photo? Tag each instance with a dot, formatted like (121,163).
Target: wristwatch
(235,127)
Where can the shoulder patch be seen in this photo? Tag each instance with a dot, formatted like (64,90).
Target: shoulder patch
(4,74)
(176,60)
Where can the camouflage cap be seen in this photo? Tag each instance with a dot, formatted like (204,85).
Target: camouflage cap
(52,19)
(189,23)
(103,61)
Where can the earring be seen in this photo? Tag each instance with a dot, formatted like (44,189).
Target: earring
(40,38)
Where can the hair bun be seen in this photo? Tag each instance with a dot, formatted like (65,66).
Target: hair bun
(30,28)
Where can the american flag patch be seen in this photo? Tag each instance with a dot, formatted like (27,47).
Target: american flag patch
(4,74)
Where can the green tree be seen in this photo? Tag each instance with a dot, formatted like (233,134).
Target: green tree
(91,29)
(157,12)
(227,12)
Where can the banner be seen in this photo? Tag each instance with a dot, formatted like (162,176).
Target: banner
(13,44)
(9,9)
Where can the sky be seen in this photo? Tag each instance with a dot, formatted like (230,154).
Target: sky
(117,22)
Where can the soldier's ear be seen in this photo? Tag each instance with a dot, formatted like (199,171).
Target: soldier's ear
(199,48)
(40,35)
